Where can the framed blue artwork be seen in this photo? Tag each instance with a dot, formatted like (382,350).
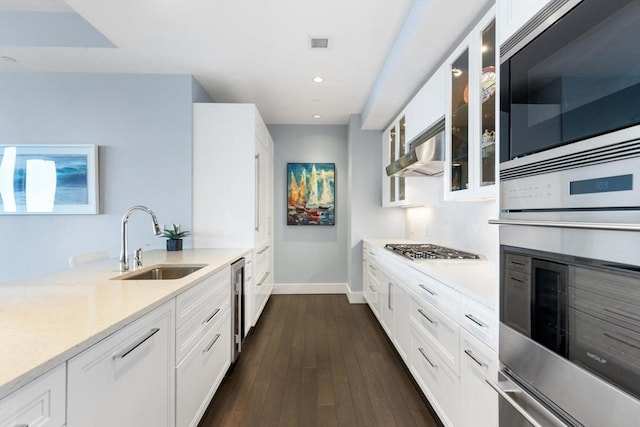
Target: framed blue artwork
(311,189)
(48,179)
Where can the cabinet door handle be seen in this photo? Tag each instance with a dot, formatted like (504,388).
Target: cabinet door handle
(263,250)
(263,279)
(470,354)
(372,288)
(428,290)
(211,317)
(138,343)
(474,320)
(207,348)
(21,425)
(390,294)
(421,350)
(372,267)
(371,253)
(426,317)
(257,201)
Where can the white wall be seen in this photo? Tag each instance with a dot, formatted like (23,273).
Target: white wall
(307,253)
(142,124)
(458,225)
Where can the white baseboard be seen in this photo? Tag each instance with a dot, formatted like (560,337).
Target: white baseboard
(310,288)
(355,297)
(319,288)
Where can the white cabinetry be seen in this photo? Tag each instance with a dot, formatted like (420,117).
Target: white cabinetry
(203,345)
(470,164)
(371,285)
(393,147)
(513,14)
(40,403)
(479,401)
(233,190)
(446,338)
(127,379)
(425,109)
(428,106)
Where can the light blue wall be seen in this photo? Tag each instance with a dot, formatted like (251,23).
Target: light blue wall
(142,124)
(310,254)
(368,219)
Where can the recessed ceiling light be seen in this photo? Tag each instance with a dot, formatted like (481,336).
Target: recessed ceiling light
(316,116)
(8,59)
(318,79)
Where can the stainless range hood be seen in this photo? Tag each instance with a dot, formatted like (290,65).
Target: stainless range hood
(425,156)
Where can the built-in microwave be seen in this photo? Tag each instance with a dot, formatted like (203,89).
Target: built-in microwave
(575,75)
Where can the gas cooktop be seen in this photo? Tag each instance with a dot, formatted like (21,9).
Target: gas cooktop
(428,251)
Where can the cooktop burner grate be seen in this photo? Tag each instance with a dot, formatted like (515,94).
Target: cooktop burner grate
(428,251)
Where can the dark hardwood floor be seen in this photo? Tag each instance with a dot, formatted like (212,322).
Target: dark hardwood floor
(316,360)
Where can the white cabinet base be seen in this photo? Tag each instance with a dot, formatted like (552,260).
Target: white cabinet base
(126,380)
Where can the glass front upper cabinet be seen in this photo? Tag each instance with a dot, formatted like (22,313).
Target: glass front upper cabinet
(460,122)
(487,122)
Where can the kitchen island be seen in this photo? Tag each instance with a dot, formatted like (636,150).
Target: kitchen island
(47,320)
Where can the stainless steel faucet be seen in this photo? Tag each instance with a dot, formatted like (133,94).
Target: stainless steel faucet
(124,243)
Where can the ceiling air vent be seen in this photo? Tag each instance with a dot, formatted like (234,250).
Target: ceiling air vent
(318,42)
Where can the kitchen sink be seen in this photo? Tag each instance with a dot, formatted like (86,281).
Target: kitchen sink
(162,272)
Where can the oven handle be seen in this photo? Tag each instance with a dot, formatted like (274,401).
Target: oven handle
(506,387)
(622,226)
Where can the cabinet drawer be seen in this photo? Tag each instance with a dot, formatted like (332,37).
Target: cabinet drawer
(118,380)
(41,403)
(201,372)
(444,298)
(190,302)
(261,262)
(444,331)
(193,329)
(439,383)
(478,362)
(480,321)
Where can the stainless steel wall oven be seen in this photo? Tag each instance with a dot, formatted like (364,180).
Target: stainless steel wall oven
(570,218)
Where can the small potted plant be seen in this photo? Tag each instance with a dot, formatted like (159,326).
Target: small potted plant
(174,237)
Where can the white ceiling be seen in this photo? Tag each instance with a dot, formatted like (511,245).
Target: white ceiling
(380,51)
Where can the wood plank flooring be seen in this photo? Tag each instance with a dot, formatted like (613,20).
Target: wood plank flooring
(316,360)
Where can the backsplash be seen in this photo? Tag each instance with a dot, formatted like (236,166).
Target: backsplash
(458,225)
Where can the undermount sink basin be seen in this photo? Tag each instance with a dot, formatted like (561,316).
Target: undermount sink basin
(163,272)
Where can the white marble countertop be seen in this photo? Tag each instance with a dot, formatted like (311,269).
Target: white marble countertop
(46,320)
(477,279)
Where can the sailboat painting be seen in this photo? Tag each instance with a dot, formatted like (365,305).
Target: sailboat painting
(311,189)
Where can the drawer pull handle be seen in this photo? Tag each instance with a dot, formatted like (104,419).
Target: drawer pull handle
(21,425)
(474,320)
(263,250)
(206,350)
(372,288)
(426,317)
(263,279)
(372,267)
(371,253)
(421,350)
(428,290)
(623,314)
(211,317)
(516,280)
(470,354)
(622,340)
(137,344)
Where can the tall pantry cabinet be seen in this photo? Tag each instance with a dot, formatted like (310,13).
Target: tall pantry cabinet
(233,192)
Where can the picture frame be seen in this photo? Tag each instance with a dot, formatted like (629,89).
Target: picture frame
(311,192)
(49,179)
